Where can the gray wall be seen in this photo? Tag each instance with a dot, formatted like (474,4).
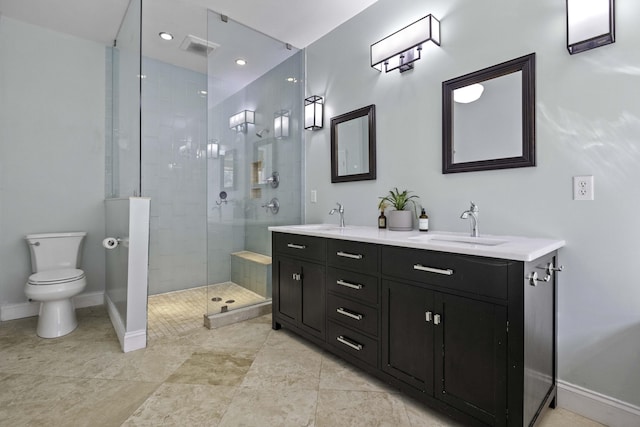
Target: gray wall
(588,123)
(52,132)
(174,136)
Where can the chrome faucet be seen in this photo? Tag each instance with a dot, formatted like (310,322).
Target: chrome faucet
(473,214)
(340,210)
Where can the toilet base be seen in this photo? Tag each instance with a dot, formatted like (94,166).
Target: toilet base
(57,318)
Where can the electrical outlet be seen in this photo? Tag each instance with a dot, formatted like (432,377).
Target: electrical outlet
(314,196)
(583,187)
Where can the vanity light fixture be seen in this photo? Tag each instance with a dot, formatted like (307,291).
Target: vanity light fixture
(402,48)
(165,36)
(239,121)
(281,124)
(590,24)
(468,94)
(313,112)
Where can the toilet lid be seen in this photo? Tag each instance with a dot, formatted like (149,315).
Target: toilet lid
(51,277)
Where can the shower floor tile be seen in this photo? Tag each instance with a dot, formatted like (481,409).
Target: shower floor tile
(225,292)
(174,313)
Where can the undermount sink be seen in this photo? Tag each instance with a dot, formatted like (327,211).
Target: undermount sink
(317,227)
(484,241)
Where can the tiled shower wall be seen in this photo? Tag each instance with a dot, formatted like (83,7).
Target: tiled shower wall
(174,134)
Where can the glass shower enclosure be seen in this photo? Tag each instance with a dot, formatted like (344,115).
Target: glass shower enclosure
(254,163)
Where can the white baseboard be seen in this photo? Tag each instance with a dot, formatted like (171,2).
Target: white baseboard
(129,341)
(30,309)
(598,407)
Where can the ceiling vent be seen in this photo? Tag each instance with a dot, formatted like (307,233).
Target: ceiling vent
(198,46)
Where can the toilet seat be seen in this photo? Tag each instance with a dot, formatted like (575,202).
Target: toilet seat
(54,277)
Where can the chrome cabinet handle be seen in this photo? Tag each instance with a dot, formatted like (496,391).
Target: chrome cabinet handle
(349,285)
(436,319)
(447,272)
(348,255)
(295,276)
(428,316)
(294,246)
(348,313)
(348,343)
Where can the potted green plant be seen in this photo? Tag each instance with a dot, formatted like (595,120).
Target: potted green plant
(400,219)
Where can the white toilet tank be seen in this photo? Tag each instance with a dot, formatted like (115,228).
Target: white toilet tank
(52,251)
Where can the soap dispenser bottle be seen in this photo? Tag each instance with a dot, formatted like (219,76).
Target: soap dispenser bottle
(423,221)
(382,220)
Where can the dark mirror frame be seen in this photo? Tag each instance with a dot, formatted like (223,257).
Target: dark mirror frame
(526,64)
(369,112)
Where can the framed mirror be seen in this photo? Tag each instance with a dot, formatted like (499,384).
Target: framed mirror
(488,118)
(353,145)
(263,166)
(228,169)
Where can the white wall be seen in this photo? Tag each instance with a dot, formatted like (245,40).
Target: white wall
(52,121)
(588,122)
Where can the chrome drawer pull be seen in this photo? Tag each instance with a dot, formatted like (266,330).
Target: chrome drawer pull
(347,313)
(349,285)
(348,343)
(348,255)
(294,246)
(447,272)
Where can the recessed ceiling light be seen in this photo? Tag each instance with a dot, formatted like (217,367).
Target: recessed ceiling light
(241,61)
(166,36)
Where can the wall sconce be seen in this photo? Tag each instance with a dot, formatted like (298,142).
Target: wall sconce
(212,149)
(281,124)
(313,112)
(402,48)
(590,24)
(239,121)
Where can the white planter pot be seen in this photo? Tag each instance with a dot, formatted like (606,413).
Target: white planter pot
(400,220)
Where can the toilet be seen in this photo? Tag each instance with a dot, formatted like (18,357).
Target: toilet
(55,258)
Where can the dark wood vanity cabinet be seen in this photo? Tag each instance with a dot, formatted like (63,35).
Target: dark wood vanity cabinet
(471,336)
(449,347)
(299,283)
(352,300)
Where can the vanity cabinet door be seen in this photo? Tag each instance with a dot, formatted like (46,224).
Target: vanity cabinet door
(450,347)
(471,369)
(301,294)
(407,334)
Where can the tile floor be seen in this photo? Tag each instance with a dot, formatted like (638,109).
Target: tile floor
(175,312)
(244,374)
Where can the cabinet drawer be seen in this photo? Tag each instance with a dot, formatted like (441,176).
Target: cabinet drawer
(352,342)
(354,285)
(481,276)
(308,247)
(356,256)
(357,315)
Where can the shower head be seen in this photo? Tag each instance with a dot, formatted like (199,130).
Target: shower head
(262,132)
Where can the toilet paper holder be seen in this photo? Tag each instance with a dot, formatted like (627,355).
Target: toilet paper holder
(113,242)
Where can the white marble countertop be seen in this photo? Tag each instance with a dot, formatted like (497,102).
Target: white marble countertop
(493,246)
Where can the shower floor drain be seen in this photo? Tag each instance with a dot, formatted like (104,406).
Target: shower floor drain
(216,299)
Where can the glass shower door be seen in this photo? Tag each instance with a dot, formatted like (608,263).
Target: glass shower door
(254,160)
